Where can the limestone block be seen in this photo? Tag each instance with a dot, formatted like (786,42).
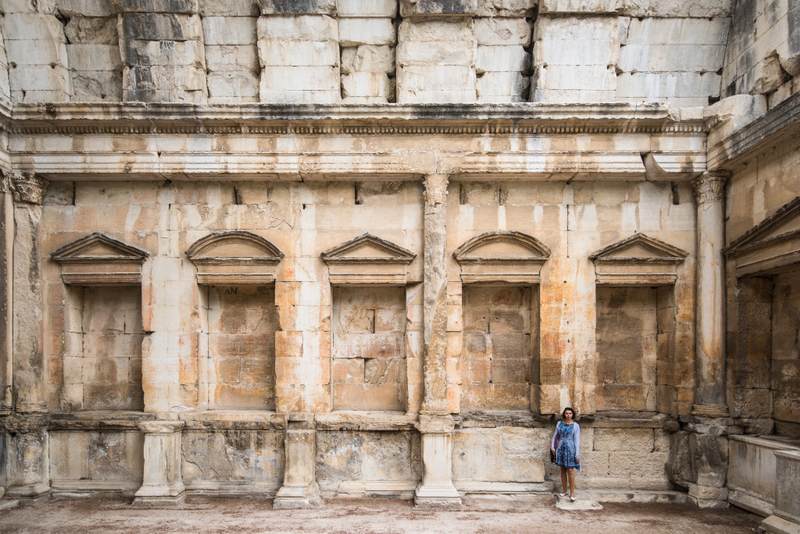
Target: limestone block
(27,26)
(768,75)
(498,8)
(306,7)
(86,8)
(577,77)
(358,31)
(92,85)
(165,53)
(453,31)
(368,58)
(92,30)
(735,111)
(674,57)
(361,84)
(158,6)
(27,6)
(36,53)
(495,31)
(93,57)
(229,30)
(503,454)
(674,31)
(274,52)
(628,439)
(162,27)
(436,53)
(502,59)
(305,27)
(232,58)
(427,84)
(639,8)
(366,8)
(229,8)
(171,84)
(576,41)
(654,86)
(41,78)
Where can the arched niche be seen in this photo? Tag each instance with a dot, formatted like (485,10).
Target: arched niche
(512,257)
(234,258)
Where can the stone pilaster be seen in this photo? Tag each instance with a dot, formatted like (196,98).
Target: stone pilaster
(28,366)
(26,459)
(299,488)
(710,319)
(162,482)
(435,423)
(6,291)
(435,295)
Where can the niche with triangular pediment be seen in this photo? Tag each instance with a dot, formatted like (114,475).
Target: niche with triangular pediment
(234,258)
(512,257)
(638,260)
(368,259)
(771,246)
(97,260)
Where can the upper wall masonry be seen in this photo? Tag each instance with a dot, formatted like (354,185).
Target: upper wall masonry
(366,52)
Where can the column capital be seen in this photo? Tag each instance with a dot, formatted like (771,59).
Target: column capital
(710,186)
(28,187)
(436,188)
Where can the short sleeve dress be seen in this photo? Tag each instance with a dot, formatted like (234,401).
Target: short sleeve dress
(567,443)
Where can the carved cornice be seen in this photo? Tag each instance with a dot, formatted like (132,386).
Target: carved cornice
(663,252)
(752,239)
(710,187)
(98,259)
(389,119)
(368,259)
(511,257)
(778,123)
(394,253)
(28,188)
(638,260)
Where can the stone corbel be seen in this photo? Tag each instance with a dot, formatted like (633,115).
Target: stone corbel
(436,489)
(27,462)
(162,483)
(299,488)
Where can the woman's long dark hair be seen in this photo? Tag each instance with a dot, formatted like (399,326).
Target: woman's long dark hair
(574,413)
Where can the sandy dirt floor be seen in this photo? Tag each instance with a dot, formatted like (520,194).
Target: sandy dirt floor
(357,516)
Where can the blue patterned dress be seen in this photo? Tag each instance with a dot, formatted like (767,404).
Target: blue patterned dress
(567,443)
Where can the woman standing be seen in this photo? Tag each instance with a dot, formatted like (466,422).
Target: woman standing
(565,448)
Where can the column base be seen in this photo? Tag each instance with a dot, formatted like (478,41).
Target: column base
(708,497)
(166,495)
(710,410)
(777,525)
(30,491)
(297,497)
(440,497)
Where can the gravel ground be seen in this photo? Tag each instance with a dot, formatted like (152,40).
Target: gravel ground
(364,516)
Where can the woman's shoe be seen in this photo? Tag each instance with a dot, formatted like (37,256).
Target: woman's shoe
(571,499)
(562,494)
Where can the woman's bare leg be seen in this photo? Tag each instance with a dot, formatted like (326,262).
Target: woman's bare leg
(571,475)
(563,480)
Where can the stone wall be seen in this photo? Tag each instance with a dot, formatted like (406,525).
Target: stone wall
(326,51)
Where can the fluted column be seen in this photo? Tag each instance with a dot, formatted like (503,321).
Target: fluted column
(710,315)
(435,423)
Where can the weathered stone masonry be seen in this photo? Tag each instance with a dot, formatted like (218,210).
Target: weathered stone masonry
(346,248)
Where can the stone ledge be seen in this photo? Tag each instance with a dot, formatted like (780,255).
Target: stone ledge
(365,421)
(233,420)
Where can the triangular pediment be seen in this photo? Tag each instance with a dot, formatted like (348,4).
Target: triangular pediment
(640,248)
(368,248)
(233,247)
(782,225)
(502,247)
(98,248)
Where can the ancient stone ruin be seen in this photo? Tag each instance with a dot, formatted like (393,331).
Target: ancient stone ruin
(324,248)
